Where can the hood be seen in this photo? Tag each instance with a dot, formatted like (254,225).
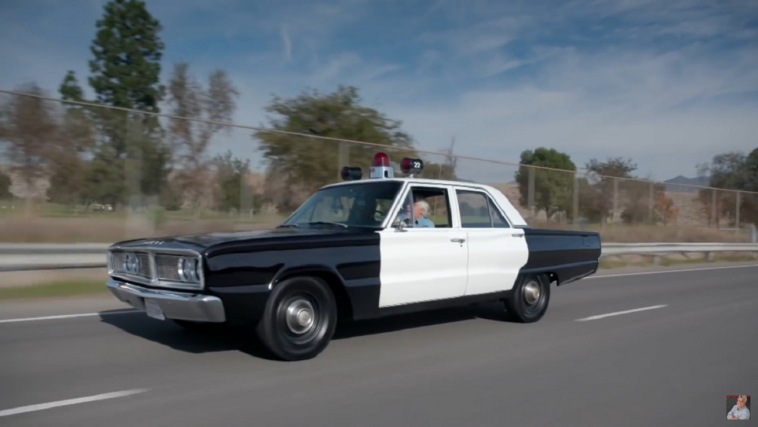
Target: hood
(236,239)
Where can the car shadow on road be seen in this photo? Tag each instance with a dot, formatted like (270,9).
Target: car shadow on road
(243,338)
(170,334)
(419,320)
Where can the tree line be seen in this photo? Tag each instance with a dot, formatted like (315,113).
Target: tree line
(609,187)
(76,154)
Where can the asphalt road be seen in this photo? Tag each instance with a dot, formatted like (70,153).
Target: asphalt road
(671,365)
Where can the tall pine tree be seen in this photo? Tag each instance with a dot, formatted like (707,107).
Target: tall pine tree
(126,73)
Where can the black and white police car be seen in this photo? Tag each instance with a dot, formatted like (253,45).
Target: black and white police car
(359,249)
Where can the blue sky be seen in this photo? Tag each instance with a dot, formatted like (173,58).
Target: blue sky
(668,84)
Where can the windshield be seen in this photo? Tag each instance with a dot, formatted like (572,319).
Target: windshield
(360,205)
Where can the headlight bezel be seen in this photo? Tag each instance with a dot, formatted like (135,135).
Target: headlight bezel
(187,269)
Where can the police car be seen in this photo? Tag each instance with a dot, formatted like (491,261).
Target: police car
(359,249)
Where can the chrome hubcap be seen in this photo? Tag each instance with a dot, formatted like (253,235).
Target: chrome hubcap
(531,293)
(300,316)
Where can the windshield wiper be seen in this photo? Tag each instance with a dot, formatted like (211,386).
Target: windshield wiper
(287,225)
(328,222)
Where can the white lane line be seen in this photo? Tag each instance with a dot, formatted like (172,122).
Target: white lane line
(43,406)
(644,273)
(66,316)
(618,313)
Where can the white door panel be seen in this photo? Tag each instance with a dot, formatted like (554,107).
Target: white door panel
(422,265)
(495,258)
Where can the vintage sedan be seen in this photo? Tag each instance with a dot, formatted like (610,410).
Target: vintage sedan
(359,249)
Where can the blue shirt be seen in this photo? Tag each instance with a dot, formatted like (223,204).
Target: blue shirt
(421,222)
(743,414)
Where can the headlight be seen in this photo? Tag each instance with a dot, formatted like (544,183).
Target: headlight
(187,269)
(131,263)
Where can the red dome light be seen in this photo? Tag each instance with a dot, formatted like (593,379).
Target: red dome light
(405,165)
(381,160)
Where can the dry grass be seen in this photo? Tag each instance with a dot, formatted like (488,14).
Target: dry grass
(674,259)
(97,230)
(11,279)
(56,289)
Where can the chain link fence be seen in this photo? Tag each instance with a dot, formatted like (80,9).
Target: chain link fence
(78,172)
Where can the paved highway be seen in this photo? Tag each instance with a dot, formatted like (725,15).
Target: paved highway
(670,364)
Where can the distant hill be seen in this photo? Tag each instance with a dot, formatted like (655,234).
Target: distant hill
(673,184)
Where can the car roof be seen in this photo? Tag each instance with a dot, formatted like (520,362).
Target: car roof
(511,213)
(415,181)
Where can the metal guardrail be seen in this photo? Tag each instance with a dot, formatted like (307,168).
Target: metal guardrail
(611,249)
(29,257)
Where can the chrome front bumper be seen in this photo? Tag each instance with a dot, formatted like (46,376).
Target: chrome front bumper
(169,304)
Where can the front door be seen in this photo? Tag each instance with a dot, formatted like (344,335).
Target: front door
(422,263)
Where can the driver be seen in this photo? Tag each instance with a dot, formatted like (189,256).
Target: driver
(420,211)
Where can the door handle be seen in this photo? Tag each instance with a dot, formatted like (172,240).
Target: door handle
(517,235)
(457,240)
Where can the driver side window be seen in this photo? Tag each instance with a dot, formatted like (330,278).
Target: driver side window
(428,206)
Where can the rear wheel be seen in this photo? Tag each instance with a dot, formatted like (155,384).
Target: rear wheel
(299,319)
(529,300)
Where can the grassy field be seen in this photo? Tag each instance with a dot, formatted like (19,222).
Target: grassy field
(56,289)
(673,260)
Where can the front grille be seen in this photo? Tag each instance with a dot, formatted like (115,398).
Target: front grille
(155,269)
(144,263)
(167,267)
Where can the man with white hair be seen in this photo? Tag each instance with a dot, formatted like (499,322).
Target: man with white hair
(420,211)
(739,411)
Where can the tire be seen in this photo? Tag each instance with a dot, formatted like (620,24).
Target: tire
(522,307)
(303,331)
(198,327)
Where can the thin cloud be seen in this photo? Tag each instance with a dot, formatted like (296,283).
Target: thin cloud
(287,43)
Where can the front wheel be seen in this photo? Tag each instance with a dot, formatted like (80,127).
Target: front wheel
(299,319)
(529,300)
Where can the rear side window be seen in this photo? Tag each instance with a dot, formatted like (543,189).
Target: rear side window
(477,210)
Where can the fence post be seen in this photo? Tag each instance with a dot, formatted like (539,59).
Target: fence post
(713,208)
(650,204)
(530,197)
(246,197)
(344,158)
(575,207)
(615,198)
(136,219)
(737,215)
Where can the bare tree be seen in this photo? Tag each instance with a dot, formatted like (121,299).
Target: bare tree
(190,139)
(31,130)
(77,137)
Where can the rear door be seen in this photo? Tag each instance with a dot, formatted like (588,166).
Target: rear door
(423,264)
(496,251)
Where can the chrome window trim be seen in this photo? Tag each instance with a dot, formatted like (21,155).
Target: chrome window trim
(153,280)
